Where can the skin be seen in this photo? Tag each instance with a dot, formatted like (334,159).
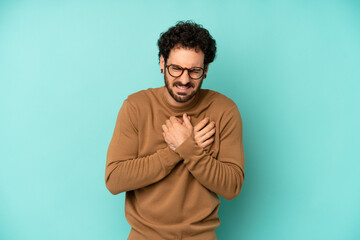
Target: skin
(204,132)
(176,130)
(187,58)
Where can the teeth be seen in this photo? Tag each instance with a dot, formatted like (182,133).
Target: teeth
(182,87)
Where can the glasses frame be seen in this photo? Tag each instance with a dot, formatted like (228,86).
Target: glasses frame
(183,69)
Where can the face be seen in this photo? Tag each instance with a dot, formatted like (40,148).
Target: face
(182,89)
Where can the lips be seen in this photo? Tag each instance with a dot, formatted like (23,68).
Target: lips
(182,88)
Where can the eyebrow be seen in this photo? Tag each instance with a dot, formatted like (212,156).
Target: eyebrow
(184,67)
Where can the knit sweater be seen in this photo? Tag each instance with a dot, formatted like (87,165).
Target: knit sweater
(173,194)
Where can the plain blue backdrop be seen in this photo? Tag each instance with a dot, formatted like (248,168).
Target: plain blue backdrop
(292,67)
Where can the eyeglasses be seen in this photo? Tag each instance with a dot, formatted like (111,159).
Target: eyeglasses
(176,71)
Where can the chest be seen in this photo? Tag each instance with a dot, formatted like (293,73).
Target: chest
(150,137)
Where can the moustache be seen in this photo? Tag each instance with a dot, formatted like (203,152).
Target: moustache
(183,85)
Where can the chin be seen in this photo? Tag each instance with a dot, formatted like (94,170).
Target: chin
(181,97)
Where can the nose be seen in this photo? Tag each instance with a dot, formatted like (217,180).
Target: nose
(185,78)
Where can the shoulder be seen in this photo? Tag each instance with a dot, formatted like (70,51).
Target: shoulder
(225,110)
(217,100)
(142,98)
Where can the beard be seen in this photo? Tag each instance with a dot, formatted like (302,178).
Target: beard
(179,96)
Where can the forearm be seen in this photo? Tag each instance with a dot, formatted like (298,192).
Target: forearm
(129,174)
(223,178)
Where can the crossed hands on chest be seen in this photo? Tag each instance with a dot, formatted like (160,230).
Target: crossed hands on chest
(176,131)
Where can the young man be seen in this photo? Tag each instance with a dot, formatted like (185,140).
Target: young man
(177,147)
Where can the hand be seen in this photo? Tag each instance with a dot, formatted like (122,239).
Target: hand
(175,131)
(204,133)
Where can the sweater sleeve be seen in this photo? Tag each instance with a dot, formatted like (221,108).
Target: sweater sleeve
(223,175)
(125,170)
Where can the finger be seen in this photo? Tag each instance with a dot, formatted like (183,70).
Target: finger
(207,129)
(207,135)
(174,120)
(204,134)
(164,128)
(207,142)
(168,124)
(201,124)
(187,121)
(166,138)
(179,120)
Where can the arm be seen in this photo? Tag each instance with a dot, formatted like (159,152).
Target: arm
(125,170)
(224,175)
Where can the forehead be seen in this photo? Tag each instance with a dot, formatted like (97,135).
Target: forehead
(186,57)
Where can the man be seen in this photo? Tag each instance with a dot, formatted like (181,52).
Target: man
(177,147)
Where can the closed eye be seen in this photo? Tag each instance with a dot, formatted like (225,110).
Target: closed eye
(195,70)
(176,68)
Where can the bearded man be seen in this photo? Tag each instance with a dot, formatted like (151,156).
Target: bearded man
(176,148)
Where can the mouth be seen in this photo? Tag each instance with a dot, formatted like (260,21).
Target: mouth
(182,88)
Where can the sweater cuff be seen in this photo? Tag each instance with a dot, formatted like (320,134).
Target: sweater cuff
(169,158)
(188,149)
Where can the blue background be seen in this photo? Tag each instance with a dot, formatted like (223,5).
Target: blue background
(292,67)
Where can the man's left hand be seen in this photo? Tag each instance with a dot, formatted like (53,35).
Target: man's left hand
(175,131)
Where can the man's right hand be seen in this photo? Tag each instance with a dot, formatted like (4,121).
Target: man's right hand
(204,132)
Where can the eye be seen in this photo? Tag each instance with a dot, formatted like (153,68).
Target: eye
(176,68)
(196,70)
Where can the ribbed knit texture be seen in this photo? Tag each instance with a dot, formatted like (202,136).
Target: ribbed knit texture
(174,194)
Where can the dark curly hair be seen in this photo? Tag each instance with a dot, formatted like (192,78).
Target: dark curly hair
(187,34)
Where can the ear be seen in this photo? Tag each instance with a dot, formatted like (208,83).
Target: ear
(162,64)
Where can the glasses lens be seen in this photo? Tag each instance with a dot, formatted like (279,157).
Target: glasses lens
(196,73)
(175,71)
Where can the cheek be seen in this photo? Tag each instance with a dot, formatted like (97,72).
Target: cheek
(170,81)
(196,85)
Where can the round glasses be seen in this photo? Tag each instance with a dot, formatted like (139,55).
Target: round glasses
(176,71)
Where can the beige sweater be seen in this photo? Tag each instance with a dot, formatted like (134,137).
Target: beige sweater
(174,194)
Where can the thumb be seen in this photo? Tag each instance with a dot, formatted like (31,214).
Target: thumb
(187,121)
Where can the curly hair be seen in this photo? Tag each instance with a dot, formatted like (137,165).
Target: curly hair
(187,34)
